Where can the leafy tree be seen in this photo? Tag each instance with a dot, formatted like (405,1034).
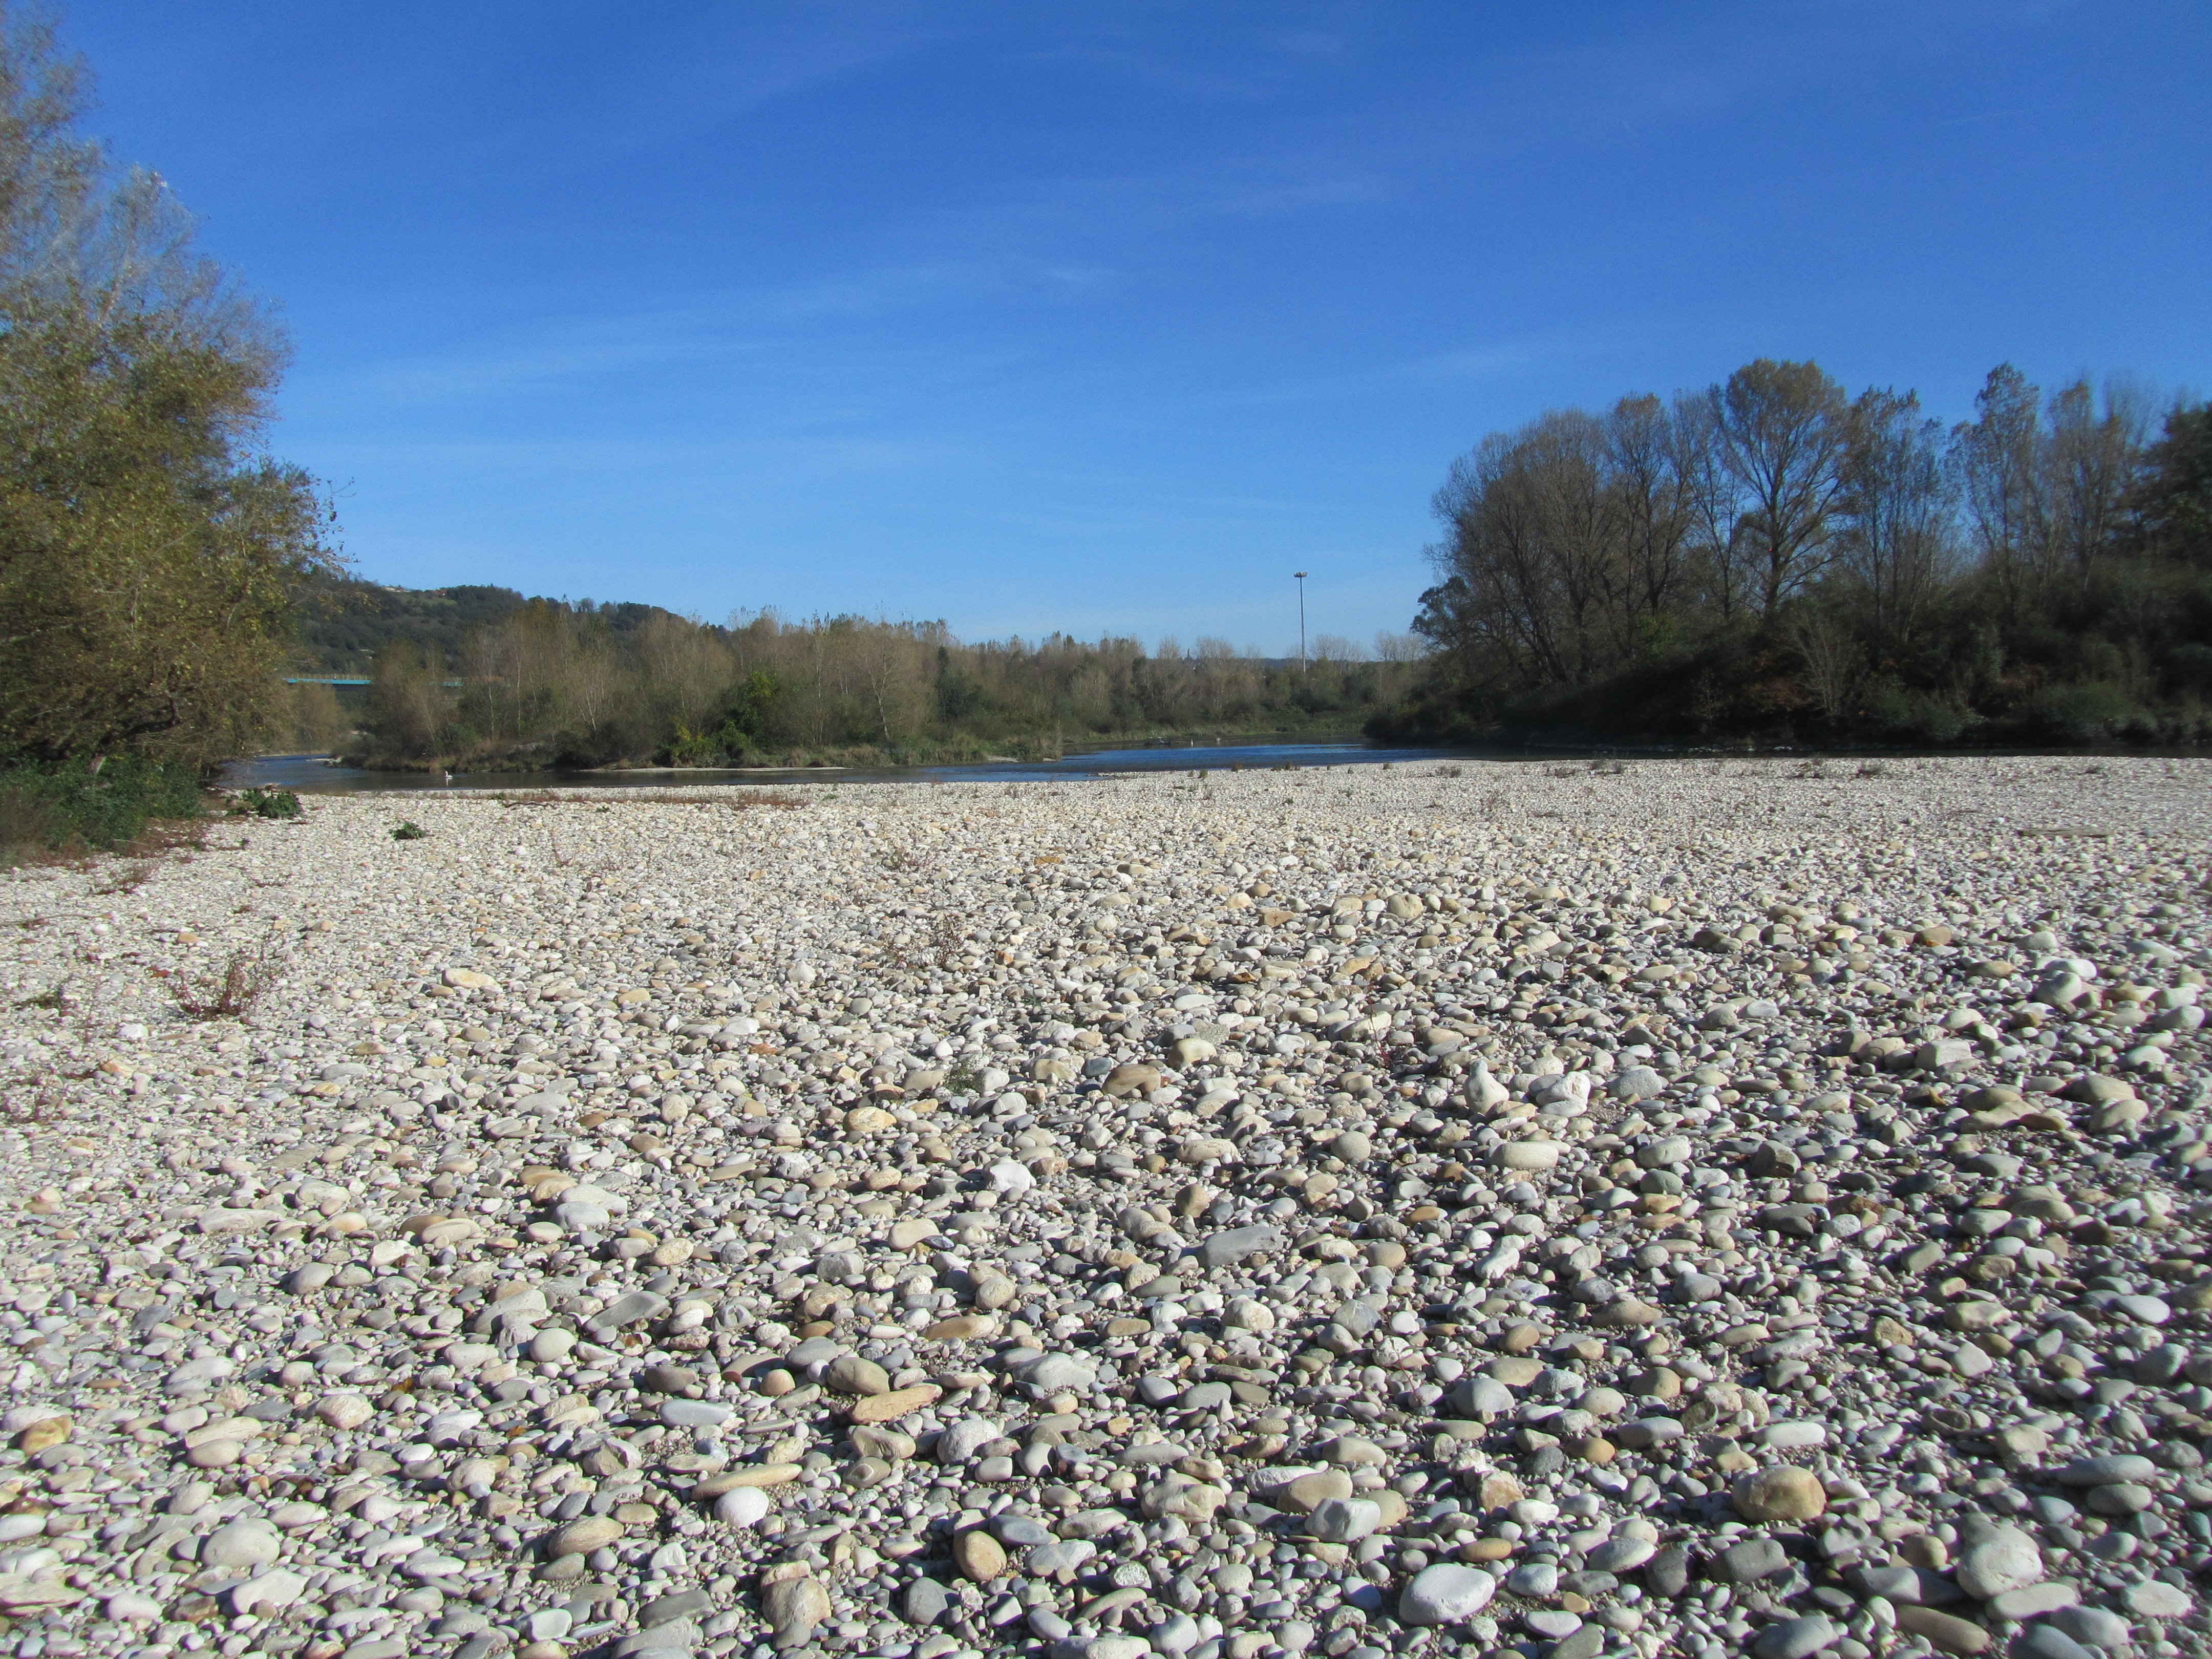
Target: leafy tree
(150,548)
(2175,495)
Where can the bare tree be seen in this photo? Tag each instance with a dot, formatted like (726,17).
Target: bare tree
(1392,647)
(1998,457)
(1900,511)
(1831,660)
(2091,458)
(1658,516)
(1784,431)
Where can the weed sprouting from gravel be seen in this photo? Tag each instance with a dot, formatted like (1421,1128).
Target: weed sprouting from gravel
(245,979)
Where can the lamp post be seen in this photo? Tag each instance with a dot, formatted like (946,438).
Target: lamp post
(1301,576)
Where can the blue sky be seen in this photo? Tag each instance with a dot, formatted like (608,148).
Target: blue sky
(1107,317)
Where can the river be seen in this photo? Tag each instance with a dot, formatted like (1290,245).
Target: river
(305,772)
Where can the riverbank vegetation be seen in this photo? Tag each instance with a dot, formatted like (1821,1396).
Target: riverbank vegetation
(150,547)
(559,684)
(1771,557)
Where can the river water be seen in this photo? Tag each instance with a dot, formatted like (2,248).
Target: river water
(314,772)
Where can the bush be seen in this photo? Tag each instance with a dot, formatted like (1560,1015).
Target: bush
(29,826)
(2092,713)
(54,805)
(2189,666)
(266,804)
(1914,716)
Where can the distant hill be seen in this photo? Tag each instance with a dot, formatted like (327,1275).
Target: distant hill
(343,622)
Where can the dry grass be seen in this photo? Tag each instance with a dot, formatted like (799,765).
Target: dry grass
(245,979)
(124,876)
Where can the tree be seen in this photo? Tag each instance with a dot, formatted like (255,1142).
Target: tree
(149,549)
(1900,508)
(1645,453)
(2174,494)
(2091,457)
(1784,429)
(407,700)
(2001,475)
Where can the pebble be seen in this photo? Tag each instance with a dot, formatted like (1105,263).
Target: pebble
(1795,1639)
(685,1228)
(1781,1492)
(2001,1563)
(2155,1600)
(1943,1630)
(241,1544)
(794,1607)
(2098,1626)
(1445,1594)
(2048,1642)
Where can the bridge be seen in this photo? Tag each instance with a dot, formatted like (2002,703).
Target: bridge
(343,680)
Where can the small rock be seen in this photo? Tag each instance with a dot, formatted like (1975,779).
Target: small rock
(1447,1594)
(1781,1492)
(1795,1639)
(1943,1630)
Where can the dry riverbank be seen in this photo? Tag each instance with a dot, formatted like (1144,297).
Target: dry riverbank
(1706,1206)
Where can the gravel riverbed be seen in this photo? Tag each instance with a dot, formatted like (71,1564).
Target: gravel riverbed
(1694,1208)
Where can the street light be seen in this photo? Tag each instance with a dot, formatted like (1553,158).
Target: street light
(1301,576)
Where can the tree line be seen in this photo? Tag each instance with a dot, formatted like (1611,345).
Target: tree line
(557,684)
(1771,555)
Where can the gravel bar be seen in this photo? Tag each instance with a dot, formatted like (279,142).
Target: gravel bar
(1687,1207)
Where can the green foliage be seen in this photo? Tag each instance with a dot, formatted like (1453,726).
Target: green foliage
(266,804)
(553,684)
(1902,714)
(55,805)
(1770,559)
(410,830)
(149,550)
(2176,492)
(2094,713)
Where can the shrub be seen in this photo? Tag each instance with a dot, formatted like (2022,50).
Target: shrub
(1914,716)
(245,978)
(29,826)
(59,803)
(2091,713)
(410,830)
(266,804)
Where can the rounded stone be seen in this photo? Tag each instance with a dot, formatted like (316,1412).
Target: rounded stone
(980,1557)
(583,1536)
(1447,1594)
(1795,1639)
(1998,1563)
(1782,1492)
(744,1506)
(241,1544)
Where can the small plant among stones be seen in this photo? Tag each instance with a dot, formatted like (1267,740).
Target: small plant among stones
(266,803)
(410,830)
(245,979)
(126,878)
